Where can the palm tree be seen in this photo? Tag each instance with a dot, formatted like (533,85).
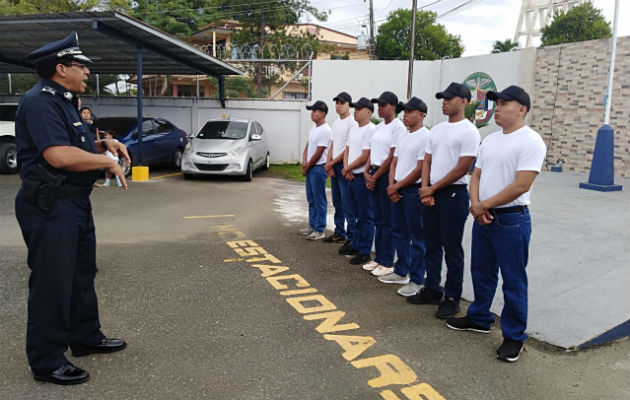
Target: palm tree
(503,46)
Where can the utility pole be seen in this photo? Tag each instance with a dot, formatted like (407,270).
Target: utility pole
(412,47)
(372,41)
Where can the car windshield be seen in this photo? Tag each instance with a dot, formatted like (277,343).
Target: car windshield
(119,127)
(232,130)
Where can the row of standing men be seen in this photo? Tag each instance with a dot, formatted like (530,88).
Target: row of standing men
(404,188)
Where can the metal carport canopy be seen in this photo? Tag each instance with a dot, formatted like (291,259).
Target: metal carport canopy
(110,39)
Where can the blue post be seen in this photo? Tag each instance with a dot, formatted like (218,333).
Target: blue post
(602,176)
(139,102)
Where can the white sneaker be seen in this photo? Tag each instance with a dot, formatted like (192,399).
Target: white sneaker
(316,236)
(370,266)
(305,231)
(380,270)
(394,278)
(409,289)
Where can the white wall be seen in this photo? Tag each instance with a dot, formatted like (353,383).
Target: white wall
(371,78)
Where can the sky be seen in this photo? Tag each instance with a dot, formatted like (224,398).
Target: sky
(479,24)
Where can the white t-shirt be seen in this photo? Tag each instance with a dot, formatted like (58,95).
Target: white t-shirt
(502,155)
(358,140)
(447,143)
(319,136)
(409,150)
(340,130)
(384,138)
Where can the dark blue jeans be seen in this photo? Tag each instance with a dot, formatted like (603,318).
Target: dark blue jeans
(383,242)
(361,214)
(316,197)
(502,245)
(443,232)
(339,189)
(408,234)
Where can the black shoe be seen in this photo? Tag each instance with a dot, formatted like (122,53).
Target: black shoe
(466,324)
(348,250)
(104,346)
(448,308)
(334,238)
(425,296)
(67,374)
(360,259)
(510,350)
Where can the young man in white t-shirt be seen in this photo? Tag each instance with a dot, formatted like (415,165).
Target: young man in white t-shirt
(382,146)
(356,157)
(313,161)
(334,164)
(451,150)
(404,182)
(509,161)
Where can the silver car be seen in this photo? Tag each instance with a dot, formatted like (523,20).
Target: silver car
(226,147)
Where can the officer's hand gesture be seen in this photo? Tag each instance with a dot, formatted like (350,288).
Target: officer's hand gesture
(116,170)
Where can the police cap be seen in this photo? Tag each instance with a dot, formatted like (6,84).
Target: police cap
(64,48)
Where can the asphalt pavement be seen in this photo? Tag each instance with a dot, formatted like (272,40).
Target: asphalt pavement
(219,298)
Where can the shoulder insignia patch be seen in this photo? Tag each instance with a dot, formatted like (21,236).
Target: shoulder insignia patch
(48,89)
(77,123)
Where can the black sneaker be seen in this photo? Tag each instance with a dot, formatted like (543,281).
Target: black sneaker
(448,308)
(360,259)
(425,296)
(466,324)
(348,250)
(510,350)
(334,238)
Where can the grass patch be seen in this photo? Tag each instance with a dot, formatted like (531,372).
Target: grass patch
(290,171)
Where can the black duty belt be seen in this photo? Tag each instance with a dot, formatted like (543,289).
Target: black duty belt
(358,175)
(65,190)
(508,210)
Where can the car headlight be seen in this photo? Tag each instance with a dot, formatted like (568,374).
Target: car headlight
(238,150)
(188,149)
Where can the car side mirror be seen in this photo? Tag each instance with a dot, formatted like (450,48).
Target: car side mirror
(256,137)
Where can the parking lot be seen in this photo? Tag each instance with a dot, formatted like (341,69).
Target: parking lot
(219,298)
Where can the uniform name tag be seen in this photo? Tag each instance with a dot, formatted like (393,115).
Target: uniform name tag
(77,123)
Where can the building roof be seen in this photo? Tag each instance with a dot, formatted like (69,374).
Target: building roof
(110,39)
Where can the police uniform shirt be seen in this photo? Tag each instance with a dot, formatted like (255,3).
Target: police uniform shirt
(502,155)
(385,137)
(319,136)
(47,116)
(409,150)
(359,139)
(340,130)
(448,141)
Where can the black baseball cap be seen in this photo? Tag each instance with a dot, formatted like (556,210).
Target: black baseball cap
(513,92)
(454,90)
(414,103)
(318,105)
(343,96)
(387,97)
(363,102)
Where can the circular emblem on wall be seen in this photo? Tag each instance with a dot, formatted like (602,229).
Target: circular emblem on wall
(479,84)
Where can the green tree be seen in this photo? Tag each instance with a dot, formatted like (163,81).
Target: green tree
(179,17)
(503,46)
(432,40)
(583,22)
(12,7)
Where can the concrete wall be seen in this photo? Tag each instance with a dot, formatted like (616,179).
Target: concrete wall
(571,82)
(371,78)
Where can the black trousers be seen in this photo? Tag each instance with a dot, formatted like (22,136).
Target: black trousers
(62,304)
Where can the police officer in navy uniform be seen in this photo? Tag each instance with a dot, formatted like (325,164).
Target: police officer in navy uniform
(59,163)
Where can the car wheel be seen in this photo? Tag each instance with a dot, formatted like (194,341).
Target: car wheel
(8,158)
(177,159)
(125,167)
(189,176)
(250,171)
(266,165)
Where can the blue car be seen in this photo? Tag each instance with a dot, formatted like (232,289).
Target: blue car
(162,141)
